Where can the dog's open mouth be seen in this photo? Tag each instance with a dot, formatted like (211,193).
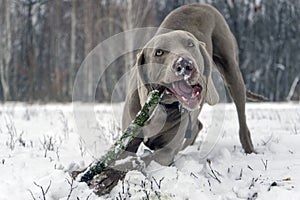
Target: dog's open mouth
(188,95)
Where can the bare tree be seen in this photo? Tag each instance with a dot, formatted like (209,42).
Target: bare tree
(73,47)
(6,49)
(42,43)
(135,15)
(294,93)
(88,45)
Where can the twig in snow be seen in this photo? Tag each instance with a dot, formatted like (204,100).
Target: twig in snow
(158,194)
(82,147)
(123,195)
(253,197)
(33,197)
(241,175)
(177,174)
(128,189)
(71,183)
(209,184)
(120,196)
(265,163)
(265,143)
(21,140)
(64,121)
(48,144)
(44,192)
(234,148)
(14,137)
(151,185)
(26,115)
(252,183)
(212,171)
(123,190)
(143,185)
(249,167)
(287,179)
(272,185)
(57,153)
(87,198)
(193,175)
(295,130)
(158,184)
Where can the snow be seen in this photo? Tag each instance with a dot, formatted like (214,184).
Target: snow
(40,145)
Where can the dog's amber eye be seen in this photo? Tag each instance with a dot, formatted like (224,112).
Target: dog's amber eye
(190,44)
(159,52)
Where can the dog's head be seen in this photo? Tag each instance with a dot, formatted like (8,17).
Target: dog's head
(177,62)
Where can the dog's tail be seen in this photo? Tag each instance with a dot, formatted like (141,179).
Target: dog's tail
(255,97)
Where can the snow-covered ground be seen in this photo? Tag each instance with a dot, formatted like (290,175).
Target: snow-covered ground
(41,144)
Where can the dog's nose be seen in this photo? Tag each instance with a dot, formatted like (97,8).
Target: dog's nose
(183,66)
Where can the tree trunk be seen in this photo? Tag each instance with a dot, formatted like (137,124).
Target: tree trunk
(3,78)
(293,92)
(73,48)
(88,20)
(6,49)
(136,15)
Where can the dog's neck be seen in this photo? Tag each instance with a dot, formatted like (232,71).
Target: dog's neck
(178,107)
(174,105)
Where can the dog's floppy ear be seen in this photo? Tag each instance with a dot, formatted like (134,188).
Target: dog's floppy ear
(212,96)
(140,75)
(140,58)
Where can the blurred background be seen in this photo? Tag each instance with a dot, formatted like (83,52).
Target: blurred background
(44,42)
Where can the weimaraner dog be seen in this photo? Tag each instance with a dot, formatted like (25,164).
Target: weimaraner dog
(179,59)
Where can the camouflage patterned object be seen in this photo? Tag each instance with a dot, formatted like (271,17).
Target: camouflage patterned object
(129,134)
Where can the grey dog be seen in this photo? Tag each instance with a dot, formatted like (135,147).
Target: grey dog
(179,58)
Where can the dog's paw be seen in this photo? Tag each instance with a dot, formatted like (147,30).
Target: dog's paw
(103,183)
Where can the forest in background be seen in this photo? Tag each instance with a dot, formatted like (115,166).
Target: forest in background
(44,42)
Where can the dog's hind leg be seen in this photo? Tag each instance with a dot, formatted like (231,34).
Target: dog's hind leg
(225,55)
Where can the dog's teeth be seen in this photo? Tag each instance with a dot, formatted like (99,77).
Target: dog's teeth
(168,92)
(186,77)
(184,99)
(182,71)
(194,95)
(179,60)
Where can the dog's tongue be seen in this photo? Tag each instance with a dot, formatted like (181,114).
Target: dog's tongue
(189,96)
(182,88)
